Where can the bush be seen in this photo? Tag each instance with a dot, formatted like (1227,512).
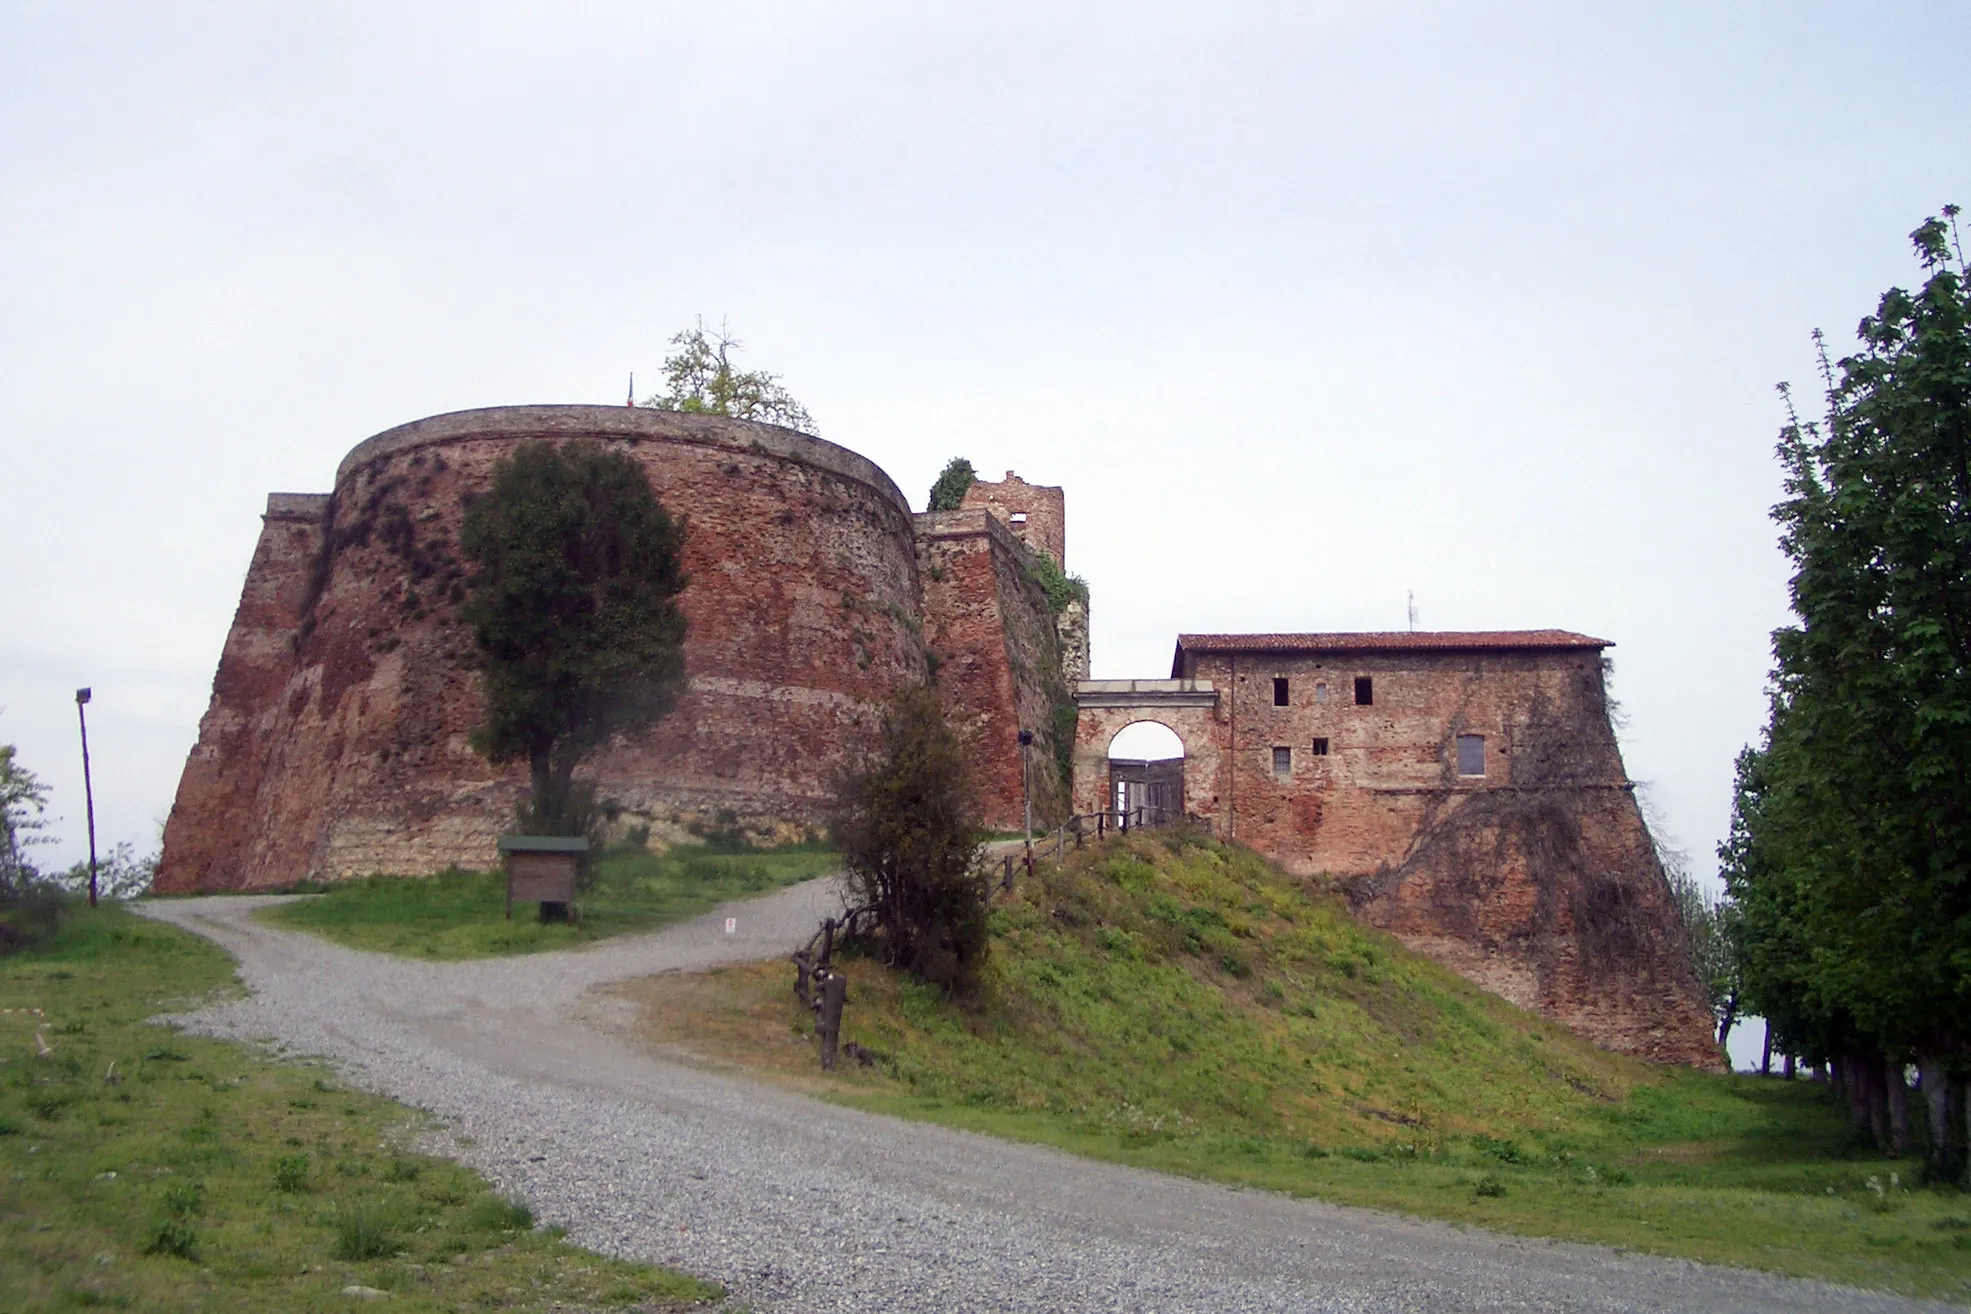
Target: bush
(361,1232)
(291,1173)
(173,1237)
(909,838)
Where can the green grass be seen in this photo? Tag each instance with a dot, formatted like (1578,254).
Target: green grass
(461,914)
(201,1176)
(1184,1006)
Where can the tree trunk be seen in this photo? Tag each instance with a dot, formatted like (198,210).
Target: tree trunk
(1876,1077)
(1786,1069)
(1766,1054)
(1896,1085)
(1725,1022)
(541,769)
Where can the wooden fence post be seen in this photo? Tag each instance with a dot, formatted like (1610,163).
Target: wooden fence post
(834,993)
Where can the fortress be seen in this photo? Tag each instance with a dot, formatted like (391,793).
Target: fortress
(1465,791)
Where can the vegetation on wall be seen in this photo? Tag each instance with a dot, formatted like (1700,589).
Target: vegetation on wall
(948,493)
(574,608)
(1060,587)
(1849,857)
(701,379)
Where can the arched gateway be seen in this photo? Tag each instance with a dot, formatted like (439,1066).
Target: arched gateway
(1155,788)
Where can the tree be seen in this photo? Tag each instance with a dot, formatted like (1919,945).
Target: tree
(948,493)
(701,380)
(909,838)
(23,798)
(573,605)
(1850,854)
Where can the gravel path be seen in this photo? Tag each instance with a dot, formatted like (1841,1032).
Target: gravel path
(799,1205)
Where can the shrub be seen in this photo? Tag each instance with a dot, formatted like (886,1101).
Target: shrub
(361,1232)
(291,1173)
(173,1237)
(909,838)
(1489,1187)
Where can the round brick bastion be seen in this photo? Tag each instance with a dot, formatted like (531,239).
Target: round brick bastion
(337,739)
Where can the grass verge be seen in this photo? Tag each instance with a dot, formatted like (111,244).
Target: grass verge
(1178,1005)
(143,1169)
(461,914)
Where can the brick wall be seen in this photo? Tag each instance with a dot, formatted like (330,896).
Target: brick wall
(998,660)
(1536,879)
(1037,514)
(353,749)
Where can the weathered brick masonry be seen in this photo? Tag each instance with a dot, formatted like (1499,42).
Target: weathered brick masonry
(1525,864)
(998,656)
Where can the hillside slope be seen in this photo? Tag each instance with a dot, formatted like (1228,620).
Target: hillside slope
(1171,1002)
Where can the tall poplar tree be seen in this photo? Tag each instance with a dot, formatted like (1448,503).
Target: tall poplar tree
(1850,856)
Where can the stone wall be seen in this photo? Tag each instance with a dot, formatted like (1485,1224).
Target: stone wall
(336,743)
(1534,876)
(991,634)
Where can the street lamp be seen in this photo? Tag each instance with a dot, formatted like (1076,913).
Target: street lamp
(1026,785)
(88,791)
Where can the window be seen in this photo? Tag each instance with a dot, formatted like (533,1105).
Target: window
(1320,748)
(1365,691)
(1019,517)
(1321,692)
(1471,755)
(1279,691)
(1282,761)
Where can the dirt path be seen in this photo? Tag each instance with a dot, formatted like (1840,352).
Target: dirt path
(799,1205)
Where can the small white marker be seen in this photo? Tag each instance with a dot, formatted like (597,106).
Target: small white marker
(731,925)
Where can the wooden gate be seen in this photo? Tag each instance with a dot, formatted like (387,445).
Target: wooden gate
(1146,792)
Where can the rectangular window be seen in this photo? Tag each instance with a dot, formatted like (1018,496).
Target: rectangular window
(1321,692)
(1282,761)
(1279,691)
(1320,748)
(1471,755)
(1365,691)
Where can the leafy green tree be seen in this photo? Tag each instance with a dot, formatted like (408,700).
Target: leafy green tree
(700,379)
(1850,855)
(909,837)
(573,604)
(23,799)
(957,477)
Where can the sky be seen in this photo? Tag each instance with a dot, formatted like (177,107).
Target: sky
(1309,307)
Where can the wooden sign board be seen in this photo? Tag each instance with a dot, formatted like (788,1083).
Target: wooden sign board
(541,869)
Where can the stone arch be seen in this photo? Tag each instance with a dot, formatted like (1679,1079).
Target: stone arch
(1187,708)
(1146,773)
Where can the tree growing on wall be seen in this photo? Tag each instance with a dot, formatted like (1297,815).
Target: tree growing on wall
(909,837)
(701,379)
(573,605)
(953,481)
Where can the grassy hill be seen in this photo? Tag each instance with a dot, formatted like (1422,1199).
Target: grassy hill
(1175,1003)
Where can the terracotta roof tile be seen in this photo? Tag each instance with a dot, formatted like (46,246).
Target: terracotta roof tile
(1387,641)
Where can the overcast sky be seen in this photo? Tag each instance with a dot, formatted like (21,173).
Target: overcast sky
(1307,306)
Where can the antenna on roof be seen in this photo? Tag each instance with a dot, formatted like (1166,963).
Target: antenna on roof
(1413,609)
(632,400)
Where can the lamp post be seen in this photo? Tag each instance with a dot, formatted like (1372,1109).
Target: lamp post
(88,790)
(1026,786)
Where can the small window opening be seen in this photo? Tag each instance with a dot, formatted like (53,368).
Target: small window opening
(1365,691)
(1471,755)
(1320,748)
(1282,761)
(1279,691)
(1019,517)
(1321,692)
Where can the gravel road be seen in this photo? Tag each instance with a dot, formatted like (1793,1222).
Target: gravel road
(798,1205)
